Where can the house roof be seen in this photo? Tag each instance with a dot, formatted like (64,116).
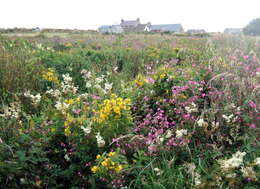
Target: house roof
(196,31)
(130,23)
(233,30)
(138,28)
(109,26)
(167,27)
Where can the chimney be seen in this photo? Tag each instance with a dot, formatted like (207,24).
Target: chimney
(122,20)
(138,19)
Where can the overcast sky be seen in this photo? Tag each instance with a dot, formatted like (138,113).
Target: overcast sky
(212,15)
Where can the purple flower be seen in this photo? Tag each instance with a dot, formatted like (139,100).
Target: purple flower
(252,104)
(150,80)
(76,111)
(146,98)
(96,97)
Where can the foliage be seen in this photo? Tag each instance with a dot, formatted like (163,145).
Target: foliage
(130,111)
(253,28)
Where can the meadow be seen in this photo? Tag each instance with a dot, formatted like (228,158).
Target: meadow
(157,111)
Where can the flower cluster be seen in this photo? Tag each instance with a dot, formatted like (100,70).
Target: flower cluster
(12,111)
(234,162)
(34,98)
(100,84)
(67,86)
(50,75)
(100,141)
(109,163)
(113,107)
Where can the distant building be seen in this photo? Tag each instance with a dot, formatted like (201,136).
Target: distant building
(196,31)
(233,31)
(176,28)
(135,26)
(37,29)
(132,26)
(111,29)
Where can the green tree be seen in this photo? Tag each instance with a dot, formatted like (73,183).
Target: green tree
(253,28)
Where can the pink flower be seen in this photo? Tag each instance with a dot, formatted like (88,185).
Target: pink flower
(252,104)
(245,57)
(151,80)
(76,111)
(146,98)
(96,97)
(252,125)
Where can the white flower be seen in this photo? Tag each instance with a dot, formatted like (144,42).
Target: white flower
(12,111)
(215,124)
(192,108)
(27,94)
(66,157)
(34,98)
(202,123)
(100,141)
(55,93)
(231,175)
(88,85)
(229,118)
(257,74)
(61,106)
(248,172)
(108,86)
(190,168)
(180,133)
(22,180)
(168,134)
(86,130)
(158,171)
(197,180)
(99,79)
(88,75)
(97,86)
(234,162)
(84,95)
(257,161)
(67,78)
(68,88)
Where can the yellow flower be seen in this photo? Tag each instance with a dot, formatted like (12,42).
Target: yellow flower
(38,183)
(53,129)
(163,75)
(67,131)
(112,107)
(50,75)
(118,168)
(94,169)
(104,163)
(98,156)
(111,154)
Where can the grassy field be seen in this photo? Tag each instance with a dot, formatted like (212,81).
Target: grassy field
(158,111)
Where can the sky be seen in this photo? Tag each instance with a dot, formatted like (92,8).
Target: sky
(211,15)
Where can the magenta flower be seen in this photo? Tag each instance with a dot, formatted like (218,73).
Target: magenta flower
(150,80)
(252,104)
(245,57)
(96,97)
(76,111)
(146,98)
